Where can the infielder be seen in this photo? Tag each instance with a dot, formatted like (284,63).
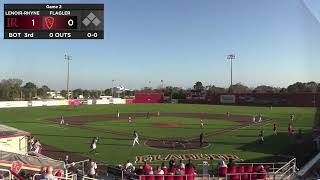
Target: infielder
(254,119)
(201,124)
(61,120)
(93,145)
(260,117)
(118,114)
(136,138)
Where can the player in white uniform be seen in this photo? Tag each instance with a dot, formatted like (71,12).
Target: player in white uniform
(61,120)
(118,114)
(136,138)
(260,118)
(93,145)
(201,124)
(254,119)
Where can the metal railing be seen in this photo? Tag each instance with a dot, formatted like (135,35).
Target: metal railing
(86,177)
(6,174)
(176,177)
(286,169)
(65,177)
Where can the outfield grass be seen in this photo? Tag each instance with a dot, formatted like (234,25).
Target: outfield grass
(117,149)
(186,127)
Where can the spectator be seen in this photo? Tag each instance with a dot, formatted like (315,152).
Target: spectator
(49,175)
(43,172)
(164,168)
(150,172)
(59,173)
(222,164)
(37,146)
(159,171)
(262,172)
(139,171)
(30,143)
(171,163)
(129,166)
(190,165)
(146,167)
(231,163)
(92,169)
(66,160)
(181,165)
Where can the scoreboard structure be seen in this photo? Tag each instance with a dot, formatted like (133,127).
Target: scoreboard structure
(53,21)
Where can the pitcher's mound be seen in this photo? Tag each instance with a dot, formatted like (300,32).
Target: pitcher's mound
(165,125)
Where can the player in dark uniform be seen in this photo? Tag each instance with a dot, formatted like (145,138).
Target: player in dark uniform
(261,136)
(148,115)
(275,129)
(201,139)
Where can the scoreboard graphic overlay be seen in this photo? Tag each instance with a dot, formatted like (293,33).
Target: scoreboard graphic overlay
(53,21)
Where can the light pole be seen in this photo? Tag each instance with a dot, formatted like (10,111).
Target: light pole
(112,87)
(231,57)
(68,58)
(162,84)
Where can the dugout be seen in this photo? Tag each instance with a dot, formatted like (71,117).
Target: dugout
(13,140)
(14,152)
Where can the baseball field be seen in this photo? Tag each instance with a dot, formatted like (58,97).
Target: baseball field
(170,129)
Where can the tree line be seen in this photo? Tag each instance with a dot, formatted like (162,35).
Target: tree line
(14,89)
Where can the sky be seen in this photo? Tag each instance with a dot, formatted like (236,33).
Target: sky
(276,42)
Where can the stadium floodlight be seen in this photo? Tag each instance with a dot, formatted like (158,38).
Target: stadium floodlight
(112,87)
(68,58)
(161,84)
(231,57)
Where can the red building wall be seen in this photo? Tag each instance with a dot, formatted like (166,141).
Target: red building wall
(148,98)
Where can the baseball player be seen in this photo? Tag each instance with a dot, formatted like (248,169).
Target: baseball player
(254,119)
(261,135)
(136,138)
(158,113)
(118,114)
(291,117)
(61,120)
(201,124)
(148,115)
(201,139)
(260,117)
(129,118)
(93,145)
(275,129)
(228,114)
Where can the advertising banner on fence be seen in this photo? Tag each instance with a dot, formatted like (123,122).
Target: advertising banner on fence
(9,104)
(227,99)
(36,103)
